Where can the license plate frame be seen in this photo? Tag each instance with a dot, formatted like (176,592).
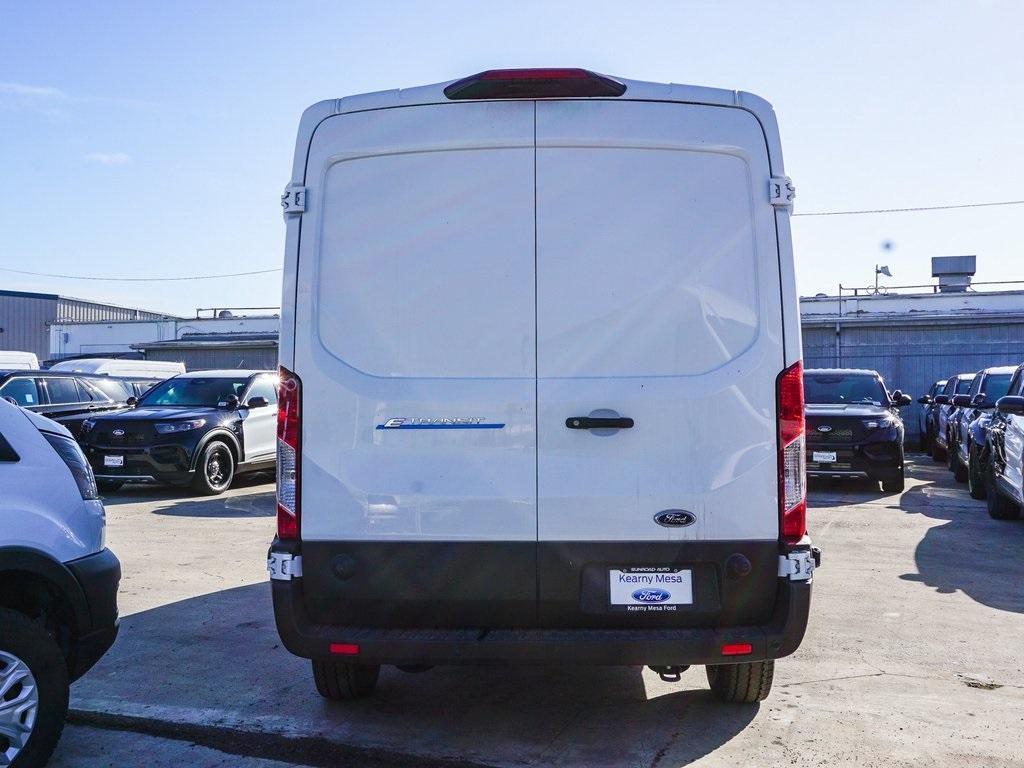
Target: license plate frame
(824,457)
(113,461)
(650,589)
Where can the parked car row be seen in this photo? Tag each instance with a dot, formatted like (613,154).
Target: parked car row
(974,422)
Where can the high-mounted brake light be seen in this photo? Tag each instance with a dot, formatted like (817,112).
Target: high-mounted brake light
(789,390)
(289,431)
(534,84)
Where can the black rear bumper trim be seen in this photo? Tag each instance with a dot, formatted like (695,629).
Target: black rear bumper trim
(608,647)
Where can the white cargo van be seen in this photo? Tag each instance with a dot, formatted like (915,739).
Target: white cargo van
(149,369)
(18,361)
(541,383)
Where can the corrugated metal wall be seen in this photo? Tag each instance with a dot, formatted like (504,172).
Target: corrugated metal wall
(259,358)
(23,320)
(76,310)
(913,355)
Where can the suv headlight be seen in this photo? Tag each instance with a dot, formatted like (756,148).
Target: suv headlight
(883,423)
(169,427)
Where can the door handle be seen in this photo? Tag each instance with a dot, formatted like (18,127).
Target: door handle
(593,422)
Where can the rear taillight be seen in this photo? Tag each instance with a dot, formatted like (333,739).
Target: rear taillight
(789,393)
(289,430)
(72,455)
(534,84)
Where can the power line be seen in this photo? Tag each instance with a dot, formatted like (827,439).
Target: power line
(278,269)
(905,210)
(140,279)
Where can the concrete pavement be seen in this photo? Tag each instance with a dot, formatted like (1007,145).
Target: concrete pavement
(912,657)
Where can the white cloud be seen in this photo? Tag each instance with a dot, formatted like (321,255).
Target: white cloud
(38,91)
(108,158)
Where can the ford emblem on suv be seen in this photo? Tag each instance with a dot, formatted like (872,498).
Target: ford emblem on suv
(651,595)
(674,518)
(824,428)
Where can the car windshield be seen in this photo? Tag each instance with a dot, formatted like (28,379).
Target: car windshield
(996,386)
(963,386)
(824,388)
(194,391)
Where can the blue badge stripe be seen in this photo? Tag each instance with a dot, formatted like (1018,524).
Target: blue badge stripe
(443,426)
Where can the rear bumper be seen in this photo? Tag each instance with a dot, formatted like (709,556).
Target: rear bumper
(658,646)
(99,576)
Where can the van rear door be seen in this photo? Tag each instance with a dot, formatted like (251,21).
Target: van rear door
(658,300)
(415,344)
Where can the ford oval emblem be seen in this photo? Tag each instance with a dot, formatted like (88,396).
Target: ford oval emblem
(651,595)
(118,433)
(824,428)
(675,518)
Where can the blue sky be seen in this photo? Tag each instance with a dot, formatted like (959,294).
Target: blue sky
(153,139)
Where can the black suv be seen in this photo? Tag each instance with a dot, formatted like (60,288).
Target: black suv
(200,428)
(926,419)
(67,398)
(854,427)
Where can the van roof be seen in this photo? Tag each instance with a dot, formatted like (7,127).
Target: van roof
(636,90)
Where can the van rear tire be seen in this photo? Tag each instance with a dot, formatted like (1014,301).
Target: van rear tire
(741,683)
(344,680)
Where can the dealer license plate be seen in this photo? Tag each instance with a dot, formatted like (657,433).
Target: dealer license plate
(650,589)
(113,461)
(823,457)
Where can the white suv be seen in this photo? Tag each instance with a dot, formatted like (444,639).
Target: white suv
(58,583)
(541,392)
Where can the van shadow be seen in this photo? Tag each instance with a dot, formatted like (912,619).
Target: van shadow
(970,552)
(217,657)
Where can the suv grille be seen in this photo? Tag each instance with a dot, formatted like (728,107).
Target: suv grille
(125,434)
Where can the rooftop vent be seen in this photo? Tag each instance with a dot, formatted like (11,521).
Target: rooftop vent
(954,272)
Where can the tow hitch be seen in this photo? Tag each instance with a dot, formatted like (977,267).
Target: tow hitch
(670,674)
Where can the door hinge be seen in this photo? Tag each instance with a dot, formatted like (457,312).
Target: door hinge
(293,201)
(283,566)
(781,191)
(799,565)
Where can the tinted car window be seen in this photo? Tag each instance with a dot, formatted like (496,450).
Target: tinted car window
(194,391)
(996,386)
(62,391)
(975,386)
(948,388)
(119,391)
(264,386)
(23,391)
(843,388)
(963,385)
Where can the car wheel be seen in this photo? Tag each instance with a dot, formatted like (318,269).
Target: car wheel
(999,507)
(894,484)
(975,478)
(215,469)
(938,452)
(109,486)
(344,680)
(33,691)
(741,683)
(956,466)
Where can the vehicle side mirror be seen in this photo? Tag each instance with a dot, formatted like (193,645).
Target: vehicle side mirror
(941,399)
(961,401)
(132,401)
(230,402)
(257,402)
(924,400)
(1011,404)
(899,399)
(979,399)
